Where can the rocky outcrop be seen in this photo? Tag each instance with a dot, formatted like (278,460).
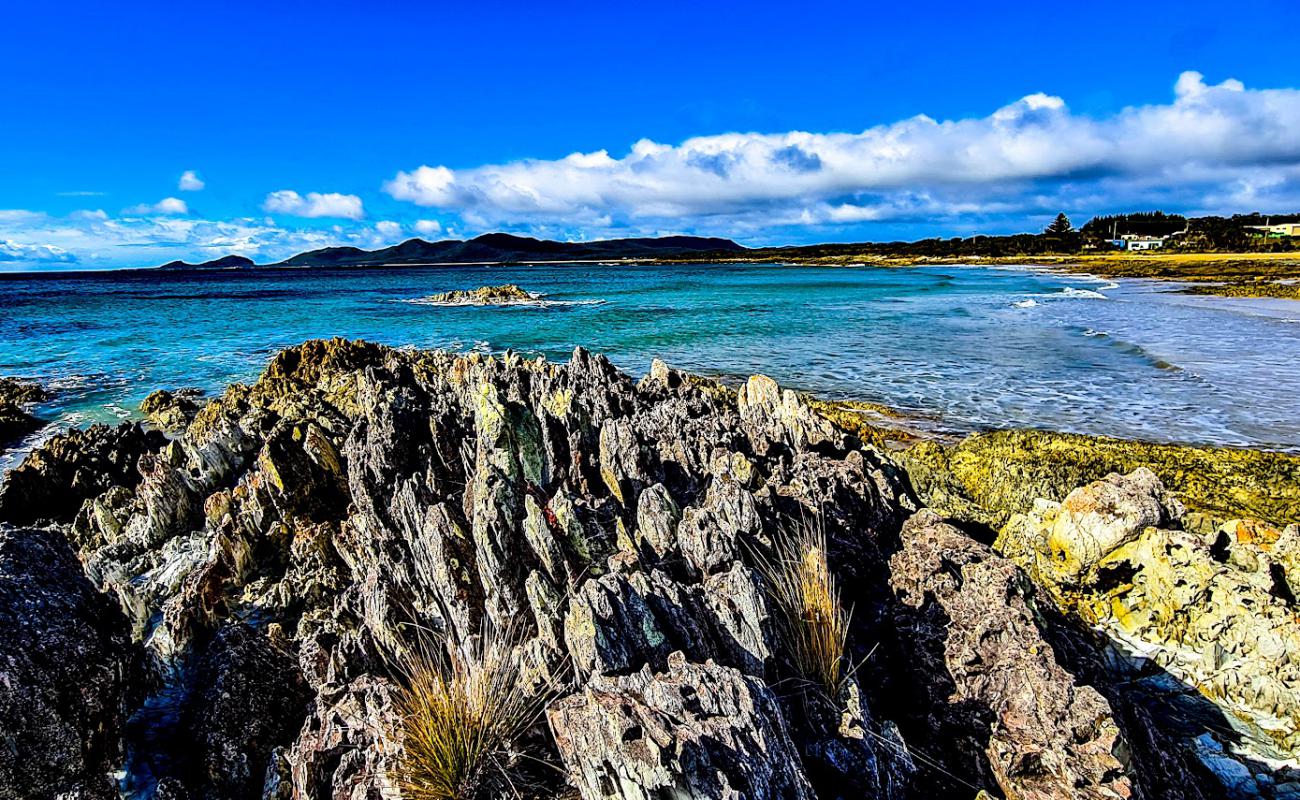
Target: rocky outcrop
(17,396)
(279,560)
(68,673)
(1214,611)
(172,411)
(987,478)
(507,294)
(968,615)
(54,480)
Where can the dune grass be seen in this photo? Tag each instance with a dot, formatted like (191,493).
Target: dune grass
(813,622)
(464,716)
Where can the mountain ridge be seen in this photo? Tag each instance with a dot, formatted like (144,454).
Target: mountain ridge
(489,247)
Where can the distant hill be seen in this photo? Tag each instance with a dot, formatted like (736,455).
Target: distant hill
(505,248)
(228,262)
(493,247)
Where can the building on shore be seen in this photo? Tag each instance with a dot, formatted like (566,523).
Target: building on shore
(1279,231)
(1134,241)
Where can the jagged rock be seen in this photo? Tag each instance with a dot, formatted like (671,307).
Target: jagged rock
(172,411)
(1214,611)
(16,397)
(280,557)
(56,478)
(694,730)
(986,680)
(68,673)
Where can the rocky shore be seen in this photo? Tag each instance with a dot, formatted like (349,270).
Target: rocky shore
(234,608)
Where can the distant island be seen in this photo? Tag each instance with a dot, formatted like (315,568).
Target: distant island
(1242,255)
(493,248)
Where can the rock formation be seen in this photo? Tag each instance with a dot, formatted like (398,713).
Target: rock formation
(261,578)
(505,295)
(16,398)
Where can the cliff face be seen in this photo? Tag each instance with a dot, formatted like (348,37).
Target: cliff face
(268,577)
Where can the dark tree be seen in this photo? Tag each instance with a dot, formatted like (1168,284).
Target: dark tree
(1060,226)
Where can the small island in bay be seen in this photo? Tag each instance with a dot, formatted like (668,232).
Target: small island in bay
(506,295)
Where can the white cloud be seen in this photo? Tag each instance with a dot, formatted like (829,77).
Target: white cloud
(11,251)
(428,227)
(1017,159)
(314,204)
(35,240)
(387,229)
(190,182)
(167,205)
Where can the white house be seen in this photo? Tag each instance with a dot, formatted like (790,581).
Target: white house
(1133,241)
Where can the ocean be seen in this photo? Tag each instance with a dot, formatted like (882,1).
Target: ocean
(970,347)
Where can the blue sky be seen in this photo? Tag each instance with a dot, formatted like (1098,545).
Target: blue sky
(308,124)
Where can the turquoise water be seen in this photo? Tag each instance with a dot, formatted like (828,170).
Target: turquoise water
(978,347)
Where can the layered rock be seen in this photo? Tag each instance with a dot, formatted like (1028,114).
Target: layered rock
(295,541)
(1215,611)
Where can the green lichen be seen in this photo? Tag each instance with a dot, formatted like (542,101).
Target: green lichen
(987,477)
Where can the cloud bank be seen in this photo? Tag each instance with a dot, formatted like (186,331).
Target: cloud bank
(1220,145)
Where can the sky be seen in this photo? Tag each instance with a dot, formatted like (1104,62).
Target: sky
(135,133)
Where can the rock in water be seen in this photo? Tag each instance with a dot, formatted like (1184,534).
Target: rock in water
(16,397)
(505,295)
(68,673)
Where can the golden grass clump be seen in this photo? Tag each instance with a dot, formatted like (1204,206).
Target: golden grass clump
(463,717)
(814,624)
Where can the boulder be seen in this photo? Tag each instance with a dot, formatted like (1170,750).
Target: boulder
(68,673)
(695,730)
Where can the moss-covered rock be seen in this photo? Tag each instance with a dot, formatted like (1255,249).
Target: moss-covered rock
(988,477)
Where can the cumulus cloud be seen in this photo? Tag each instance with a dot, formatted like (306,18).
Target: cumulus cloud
(428,227)
(190,182)
(11,251)
(165,206)
(314,204)
(388,230)
(36,240)
(1034,153)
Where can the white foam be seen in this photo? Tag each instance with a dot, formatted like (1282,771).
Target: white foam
(1089,294)
(1029,303)
(535,302)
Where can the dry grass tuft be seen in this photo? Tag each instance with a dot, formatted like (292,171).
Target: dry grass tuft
(463,718)
(814,624)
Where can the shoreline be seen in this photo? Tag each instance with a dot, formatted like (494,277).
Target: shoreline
(1272,275)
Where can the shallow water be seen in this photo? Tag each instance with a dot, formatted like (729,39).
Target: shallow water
(980,347)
